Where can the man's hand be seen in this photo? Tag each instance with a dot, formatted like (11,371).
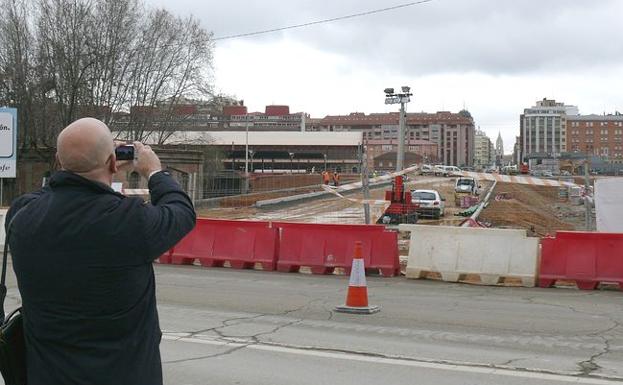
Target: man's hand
(123,165)
(145,160)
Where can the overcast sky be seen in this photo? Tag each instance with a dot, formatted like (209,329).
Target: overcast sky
(495,57)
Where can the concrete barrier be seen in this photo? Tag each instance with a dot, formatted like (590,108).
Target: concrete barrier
(454,252)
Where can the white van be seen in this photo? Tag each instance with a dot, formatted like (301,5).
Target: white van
(447,170)
(453,170)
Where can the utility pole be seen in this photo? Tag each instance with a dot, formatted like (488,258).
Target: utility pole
(587,205)
(401,98)
(400,161)
(246,157)
(365,184)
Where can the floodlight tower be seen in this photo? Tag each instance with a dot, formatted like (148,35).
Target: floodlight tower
(401,98)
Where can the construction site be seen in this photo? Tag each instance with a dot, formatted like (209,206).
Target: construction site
(540,210)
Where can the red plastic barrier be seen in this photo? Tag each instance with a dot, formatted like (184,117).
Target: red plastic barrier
(323,247)
(165,258)
(242,243)
(584,257)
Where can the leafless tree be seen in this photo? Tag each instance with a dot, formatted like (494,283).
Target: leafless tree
(173,58)
(117,60)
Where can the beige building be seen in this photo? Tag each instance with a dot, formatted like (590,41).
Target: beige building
(484,154)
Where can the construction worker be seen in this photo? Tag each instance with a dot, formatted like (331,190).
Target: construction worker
(336,179)
(325,177)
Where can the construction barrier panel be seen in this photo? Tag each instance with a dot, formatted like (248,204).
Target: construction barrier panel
(587,258)
(324,247)
(241,243)
(454,252)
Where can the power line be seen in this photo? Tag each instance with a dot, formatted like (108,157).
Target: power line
(322,21)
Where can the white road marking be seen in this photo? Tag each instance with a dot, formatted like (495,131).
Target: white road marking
(392,361)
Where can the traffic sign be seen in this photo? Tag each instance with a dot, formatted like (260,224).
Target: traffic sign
(8,142)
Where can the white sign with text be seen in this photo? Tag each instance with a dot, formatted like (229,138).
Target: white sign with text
(8,142)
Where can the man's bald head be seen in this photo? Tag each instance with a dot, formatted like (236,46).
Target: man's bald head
(84,146)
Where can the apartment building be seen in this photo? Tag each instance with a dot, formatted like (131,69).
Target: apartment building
(452,133)
(596,135)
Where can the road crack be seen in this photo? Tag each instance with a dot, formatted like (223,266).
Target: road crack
(587,367)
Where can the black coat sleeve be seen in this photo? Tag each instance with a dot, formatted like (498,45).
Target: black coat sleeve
(167,219)
(19,203)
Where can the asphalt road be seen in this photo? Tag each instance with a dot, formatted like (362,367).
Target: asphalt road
(224,326)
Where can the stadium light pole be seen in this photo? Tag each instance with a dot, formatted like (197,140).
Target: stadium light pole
(401,98)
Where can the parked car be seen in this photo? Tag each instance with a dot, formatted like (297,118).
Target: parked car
(542,173)
(427,169)
(468,185)
(430,203)
(453,170)
(440,170)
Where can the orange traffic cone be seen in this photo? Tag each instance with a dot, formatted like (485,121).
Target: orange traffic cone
(357,297)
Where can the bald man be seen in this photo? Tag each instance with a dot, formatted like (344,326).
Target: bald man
(83,255)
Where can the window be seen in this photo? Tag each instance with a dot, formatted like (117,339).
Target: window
(424,196)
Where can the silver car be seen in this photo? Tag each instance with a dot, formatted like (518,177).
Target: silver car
(430,203)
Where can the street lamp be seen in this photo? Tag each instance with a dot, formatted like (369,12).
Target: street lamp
(291,157)
(246,155)
(401,98)
(246,147)
(251,154)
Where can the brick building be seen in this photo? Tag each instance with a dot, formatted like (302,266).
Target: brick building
(596,135)
(382,154)
(186,166)
(192,115)
(452,133)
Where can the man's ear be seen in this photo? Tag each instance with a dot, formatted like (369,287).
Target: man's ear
(113,164)
(58,160)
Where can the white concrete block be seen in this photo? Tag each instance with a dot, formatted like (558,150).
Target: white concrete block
(453,251)
(608,205)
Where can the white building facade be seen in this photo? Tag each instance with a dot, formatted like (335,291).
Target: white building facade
(543,128)
(483,150)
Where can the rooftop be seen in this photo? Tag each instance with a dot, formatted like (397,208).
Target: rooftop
(359,118)
(598,118)
(266,138)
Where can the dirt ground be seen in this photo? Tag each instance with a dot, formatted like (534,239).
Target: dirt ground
(537,209)
(338,210)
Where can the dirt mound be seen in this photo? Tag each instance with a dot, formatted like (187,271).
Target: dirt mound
(537,209)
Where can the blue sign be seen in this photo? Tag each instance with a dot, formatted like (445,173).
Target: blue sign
(8,142)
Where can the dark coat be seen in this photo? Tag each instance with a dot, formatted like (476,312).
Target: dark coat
(83,255)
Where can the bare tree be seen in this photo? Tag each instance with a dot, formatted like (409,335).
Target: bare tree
(17,78)
(65,54)
(112,59)
(172,61)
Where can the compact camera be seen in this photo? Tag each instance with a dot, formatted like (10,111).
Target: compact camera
(125,152)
